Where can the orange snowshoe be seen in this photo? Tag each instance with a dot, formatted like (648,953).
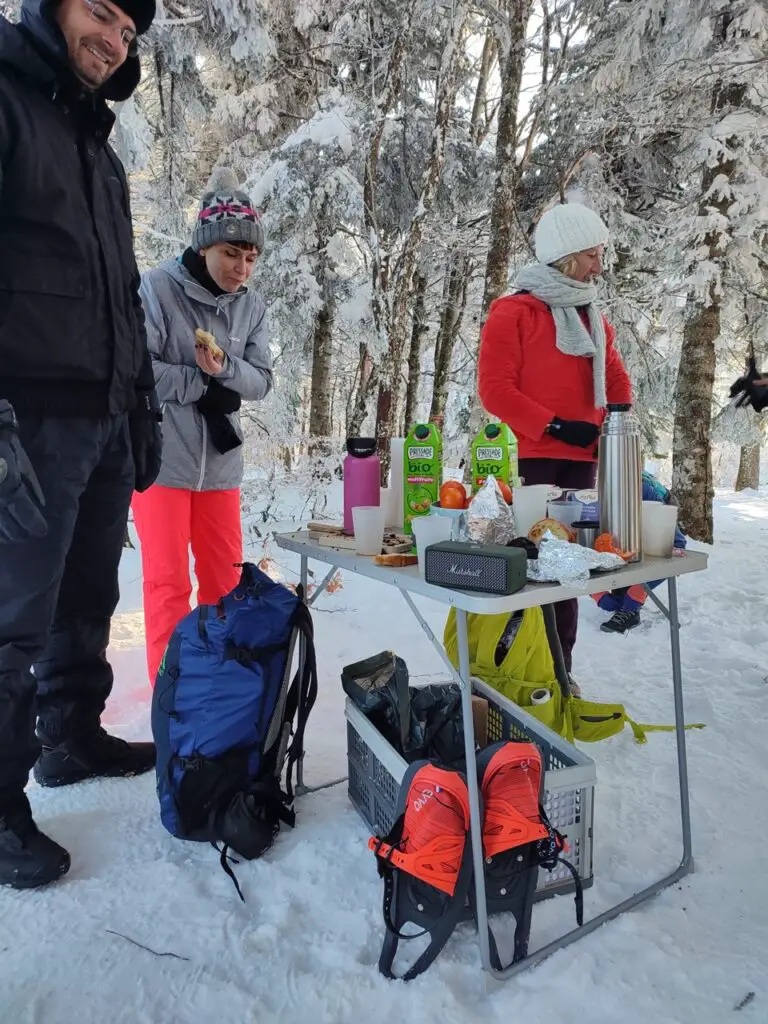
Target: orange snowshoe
(517,838)
(426,863)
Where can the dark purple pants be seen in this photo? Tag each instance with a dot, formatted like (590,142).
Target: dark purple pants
(571,475)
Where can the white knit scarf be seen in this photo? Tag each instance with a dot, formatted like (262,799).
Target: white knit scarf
(563,295)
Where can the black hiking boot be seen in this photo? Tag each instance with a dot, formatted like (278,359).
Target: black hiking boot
(28,858)
(94,756)
(621,622)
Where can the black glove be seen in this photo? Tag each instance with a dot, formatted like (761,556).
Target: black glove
(578,433)
(748,392)
(218,399)
(215,405)
(743,383)
(21,499)
(146,440)
(755,396)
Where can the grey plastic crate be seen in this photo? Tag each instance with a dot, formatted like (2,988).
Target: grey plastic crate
(376,770)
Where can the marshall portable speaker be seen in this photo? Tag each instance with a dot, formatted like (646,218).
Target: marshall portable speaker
(487,568)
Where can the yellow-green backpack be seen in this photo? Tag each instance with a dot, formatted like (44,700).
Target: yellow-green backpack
(528,666)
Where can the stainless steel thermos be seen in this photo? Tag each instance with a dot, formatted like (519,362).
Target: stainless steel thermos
(619,479)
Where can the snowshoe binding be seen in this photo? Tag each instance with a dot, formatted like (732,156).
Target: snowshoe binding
(426,863)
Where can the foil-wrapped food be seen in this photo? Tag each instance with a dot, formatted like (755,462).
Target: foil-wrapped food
(489,518)
(562,562)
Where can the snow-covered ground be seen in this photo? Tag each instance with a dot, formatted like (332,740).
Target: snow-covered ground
(304,946)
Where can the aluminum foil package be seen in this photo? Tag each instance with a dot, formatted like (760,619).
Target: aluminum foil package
(489,518)
(562,562)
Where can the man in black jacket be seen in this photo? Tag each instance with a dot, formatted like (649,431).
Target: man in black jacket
(78,413)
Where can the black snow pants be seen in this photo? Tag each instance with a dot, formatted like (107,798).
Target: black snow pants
(58,593)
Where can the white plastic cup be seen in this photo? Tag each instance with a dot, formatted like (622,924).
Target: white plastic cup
(659,522)
(396,482)
(456,516)
(565,512)
(368,524)
(430,530)
(386,501)
(529,505)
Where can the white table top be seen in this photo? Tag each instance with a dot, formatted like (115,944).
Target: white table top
(531,596)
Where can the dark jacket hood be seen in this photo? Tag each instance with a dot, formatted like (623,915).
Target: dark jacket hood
(38,37)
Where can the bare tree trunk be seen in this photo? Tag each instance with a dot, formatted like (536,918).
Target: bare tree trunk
(505,190)
(454,303)
(418,330)
(367,378)
(502,221)
(692,447)
(320,422)
(478,126)
(392,364)
(748,477)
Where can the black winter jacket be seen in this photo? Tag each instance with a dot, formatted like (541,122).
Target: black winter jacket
(72,339)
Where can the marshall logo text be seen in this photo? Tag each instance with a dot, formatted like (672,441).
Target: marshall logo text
(456,570)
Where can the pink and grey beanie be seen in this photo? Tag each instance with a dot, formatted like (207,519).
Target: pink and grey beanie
(227,214)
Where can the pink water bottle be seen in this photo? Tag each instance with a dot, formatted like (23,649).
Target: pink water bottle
(362,477)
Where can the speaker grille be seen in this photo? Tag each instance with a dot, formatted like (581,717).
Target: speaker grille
(484,573)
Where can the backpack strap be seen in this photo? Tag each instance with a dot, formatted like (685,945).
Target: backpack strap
(302,694)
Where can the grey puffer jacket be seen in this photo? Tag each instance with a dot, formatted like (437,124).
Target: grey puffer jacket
(175,304)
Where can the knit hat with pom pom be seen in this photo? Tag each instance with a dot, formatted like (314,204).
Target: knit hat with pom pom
(226,214)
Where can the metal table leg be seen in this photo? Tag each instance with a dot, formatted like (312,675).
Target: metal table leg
(686,864)
(462,678)
(303,578)
(476,829)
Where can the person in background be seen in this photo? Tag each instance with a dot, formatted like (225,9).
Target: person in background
(626,603)
(78,414)
(548,366)
(751,389)
(196,500)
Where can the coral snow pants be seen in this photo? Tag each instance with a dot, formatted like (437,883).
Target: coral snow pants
(169,521)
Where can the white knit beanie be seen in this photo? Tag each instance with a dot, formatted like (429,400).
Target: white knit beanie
(566,229)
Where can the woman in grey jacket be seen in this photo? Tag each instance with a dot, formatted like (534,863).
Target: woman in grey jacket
(200,379)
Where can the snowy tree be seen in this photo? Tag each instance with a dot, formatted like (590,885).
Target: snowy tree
(681,90)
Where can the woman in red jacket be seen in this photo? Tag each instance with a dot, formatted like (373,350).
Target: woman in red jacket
(548,367)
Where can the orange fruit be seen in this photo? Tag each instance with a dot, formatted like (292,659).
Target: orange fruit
(506,492)
(451,497)
(452,486)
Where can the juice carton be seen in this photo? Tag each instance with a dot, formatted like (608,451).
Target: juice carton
(422,469)
(494,453)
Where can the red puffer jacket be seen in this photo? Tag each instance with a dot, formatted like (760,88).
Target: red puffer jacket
(526,381)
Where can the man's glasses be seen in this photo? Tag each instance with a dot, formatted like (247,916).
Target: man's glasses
(108,19)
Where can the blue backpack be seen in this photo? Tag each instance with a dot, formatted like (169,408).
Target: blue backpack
(223,710)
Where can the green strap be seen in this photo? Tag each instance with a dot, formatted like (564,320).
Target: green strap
(639,729)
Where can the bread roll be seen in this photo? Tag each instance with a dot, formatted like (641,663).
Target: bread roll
(208,341)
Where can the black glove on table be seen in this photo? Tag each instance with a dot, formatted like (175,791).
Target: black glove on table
(146,440)
(21,499)
(578,433)
(216,404)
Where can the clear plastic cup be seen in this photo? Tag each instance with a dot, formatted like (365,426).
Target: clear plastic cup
(529,505)
(368,524)
(659,522)
(565,512)
(430,530)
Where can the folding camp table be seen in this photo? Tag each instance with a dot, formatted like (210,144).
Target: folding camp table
(410,583)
